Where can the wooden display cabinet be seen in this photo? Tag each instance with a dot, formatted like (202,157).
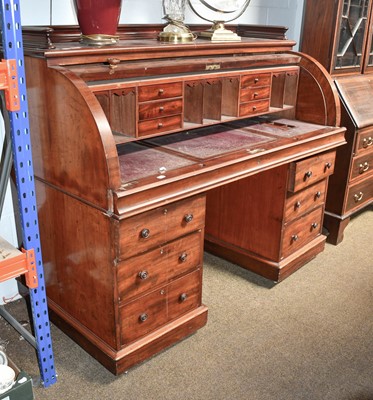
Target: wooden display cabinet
(342,41)
(133,143)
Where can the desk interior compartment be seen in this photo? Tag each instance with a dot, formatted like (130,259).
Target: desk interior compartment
(119,107)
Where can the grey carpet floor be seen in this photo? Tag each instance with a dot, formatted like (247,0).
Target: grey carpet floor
(308,338)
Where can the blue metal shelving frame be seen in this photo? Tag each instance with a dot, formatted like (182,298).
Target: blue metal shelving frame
(22,159)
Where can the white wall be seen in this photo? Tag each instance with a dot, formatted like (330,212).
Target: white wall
(61,12)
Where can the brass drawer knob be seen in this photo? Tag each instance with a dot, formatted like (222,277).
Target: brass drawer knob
(113,63)
(143,275)
(256,95)
(307,175)
(328,165)
(145,233)
(183,257)
(256,80)
(363,167)
(314,225)
(160,125)
(367,142)
(161,109)
(318,195)
(294,238)
(297,204)
(188,218)
(160,91)
(143,317)
(183,297)
(358,197)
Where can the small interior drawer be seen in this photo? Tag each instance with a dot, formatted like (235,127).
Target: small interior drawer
(164,224)
(305,172)
(301,231)
(158,125)
(305,200)
(362,165)
(254,107)
(251,94)
(160,91)
(158,109)
(256,80)
(156,267)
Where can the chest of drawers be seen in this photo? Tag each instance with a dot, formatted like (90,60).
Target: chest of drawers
(351,187)
(342,43)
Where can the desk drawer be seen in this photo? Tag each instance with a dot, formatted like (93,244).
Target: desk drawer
(143,315)
(307,199)
(155,309)
(184,294)
(156,267)
(254,107)
(158,109)
(359,194)
(305,172)
(160,91)
(362,165)
(364,140)
(252,80)
(301,231)
(164,224)
(158,125)
(251,94)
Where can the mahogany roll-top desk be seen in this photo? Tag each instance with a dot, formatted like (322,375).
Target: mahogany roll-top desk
(144,152)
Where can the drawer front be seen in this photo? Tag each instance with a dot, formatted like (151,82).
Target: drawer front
(254,107)
(160,91)
(143,315)
(156,227)
(256,80)
(156,267)
(185,254)
(359,194)
(362,165)
(305,172)
(301,231)
(158,125)
(159,109)
(364,140)
(305,200)
(251,94)
(184,294)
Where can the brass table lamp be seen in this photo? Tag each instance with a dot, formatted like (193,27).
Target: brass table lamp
(176,31)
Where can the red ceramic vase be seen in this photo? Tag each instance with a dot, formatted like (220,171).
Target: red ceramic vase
(98,18)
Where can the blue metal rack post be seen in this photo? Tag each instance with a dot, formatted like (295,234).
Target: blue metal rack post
(22,158)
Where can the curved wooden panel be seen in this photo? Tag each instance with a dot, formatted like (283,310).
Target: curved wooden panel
(73,145)
(318,100)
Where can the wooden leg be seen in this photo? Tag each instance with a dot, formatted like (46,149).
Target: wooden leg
(335,227)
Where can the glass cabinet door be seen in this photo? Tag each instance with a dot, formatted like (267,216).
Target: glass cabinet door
(352,35)
(368,66)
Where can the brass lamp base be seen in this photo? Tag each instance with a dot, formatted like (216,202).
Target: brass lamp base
(99,40)
(176,37)
(218,33)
